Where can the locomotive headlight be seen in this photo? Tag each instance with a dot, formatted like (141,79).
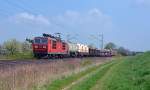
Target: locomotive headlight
(44,46)
(35,46)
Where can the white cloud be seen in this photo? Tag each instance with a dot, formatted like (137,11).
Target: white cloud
(95,12)
(93,19)
(70,21)
(30,19)
(85,23)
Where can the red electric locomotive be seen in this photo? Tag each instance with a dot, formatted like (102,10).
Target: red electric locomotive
(50,46)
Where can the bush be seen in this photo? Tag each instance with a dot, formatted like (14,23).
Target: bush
(12,46)
(16,50)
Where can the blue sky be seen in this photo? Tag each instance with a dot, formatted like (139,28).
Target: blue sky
(124,22)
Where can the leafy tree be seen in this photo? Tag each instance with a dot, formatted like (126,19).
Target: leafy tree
(12,46)
(123,51)
(110,45)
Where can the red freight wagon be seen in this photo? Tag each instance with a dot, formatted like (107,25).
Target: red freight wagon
(49,46)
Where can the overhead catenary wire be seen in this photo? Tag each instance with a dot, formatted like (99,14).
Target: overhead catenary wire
(21,2)
(100,38)
(17,6)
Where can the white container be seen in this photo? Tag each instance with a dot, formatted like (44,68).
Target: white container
(83,48)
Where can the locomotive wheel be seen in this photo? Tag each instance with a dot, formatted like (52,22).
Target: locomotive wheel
(37,56)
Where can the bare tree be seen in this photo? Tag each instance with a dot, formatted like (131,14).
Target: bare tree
(26,46)
(12,46)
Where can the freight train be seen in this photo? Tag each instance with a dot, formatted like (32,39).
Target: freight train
(54,47)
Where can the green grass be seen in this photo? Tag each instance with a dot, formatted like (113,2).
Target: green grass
(86,63)
(25,55)
(126,73)
(131,73)
(61,83)
(92,79)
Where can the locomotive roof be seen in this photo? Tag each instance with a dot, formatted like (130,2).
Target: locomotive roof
(40,37)
(52,39)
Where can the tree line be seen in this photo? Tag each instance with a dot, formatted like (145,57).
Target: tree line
(16,49)
(120,50)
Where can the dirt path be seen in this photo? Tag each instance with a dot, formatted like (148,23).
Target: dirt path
(82,78)
(99,82)
(75,82)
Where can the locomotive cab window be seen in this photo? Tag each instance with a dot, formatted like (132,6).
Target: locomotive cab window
(54,44)
(41,40)
(63,46)
(44,41)
(37,40)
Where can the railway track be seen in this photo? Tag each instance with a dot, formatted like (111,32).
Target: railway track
(8,63)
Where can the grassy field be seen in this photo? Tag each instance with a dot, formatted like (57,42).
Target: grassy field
(18,56)
(61,83)
(129,73)
(32,75)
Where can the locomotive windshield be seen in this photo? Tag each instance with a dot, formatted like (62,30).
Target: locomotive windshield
(40,40)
